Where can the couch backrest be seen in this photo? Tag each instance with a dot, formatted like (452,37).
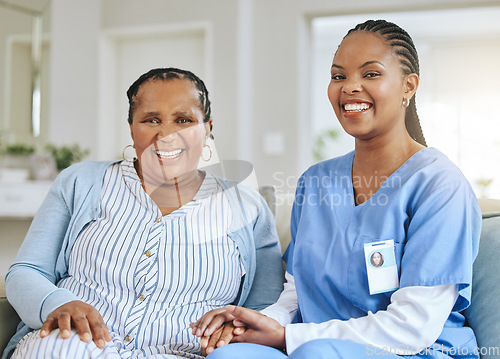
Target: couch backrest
(483,315)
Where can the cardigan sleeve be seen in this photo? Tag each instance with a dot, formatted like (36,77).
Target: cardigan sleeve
(30,282)
(267,281)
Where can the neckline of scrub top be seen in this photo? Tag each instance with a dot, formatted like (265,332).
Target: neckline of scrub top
(382,188)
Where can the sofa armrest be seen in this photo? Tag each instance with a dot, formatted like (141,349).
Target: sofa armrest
(8,318)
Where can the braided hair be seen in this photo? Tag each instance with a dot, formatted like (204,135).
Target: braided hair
(402,44)
(168,74)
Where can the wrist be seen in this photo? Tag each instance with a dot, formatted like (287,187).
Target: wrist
(281,339)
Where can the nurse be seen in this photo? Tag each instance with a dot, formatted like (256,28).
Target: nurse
(401,199)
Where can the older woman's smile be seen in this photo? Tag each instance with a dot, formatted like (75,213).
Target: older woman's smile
(169,154)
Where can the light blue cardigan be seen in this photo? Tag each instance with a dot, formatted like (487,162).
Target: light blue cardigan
(74,200)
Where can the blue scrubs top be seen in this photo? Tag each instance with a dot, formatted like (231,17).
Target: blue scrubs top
(426,206)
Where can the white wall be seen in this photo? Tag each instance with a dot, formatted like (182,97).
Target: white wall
(73,77)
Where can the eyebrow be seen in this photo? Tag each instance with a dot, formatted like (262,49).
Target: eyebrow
(181,113)
(153,113)
(364,65)
(177,113)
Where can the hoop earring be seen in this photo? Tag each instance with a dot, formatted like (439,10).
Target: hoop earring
(209,157)
(123,154)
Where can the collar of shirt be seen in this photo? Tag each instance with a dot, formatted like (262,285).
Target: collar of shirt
(209,187)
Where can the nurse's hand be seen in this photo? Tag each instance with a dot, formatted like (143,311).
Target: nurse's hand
(85,319)
(260,329)
(210,322)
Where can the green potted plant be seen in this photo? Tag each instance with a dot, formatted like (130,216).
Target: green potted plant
(15,162)
(66,155)
(321,141)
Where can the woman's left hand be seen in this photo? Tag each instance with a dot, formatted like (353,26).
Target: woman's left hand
(220,337)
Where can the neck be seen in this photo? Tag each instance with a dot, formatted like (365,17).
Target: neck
(172,193)
(384,155)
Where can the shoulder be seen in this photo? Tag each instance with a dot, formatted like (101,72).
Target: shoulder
(81,176)
(325,173)
(430,169)
(331,166)
(434,181)
(237,191)
(243,199)
(87,170)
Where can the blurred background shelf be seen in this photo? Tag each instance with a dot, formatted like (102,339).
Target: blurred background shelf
(22,199)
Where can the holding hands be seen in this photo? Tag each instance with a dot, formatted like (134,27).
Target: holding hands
(237,324)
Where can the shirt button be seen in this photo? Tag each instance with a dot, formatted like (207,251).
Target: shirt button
(148,254)
(142,297)
(127,338)
(158,220)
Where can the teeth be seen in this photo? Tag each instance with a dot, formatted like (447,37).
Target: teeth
(356,106)
(168,154)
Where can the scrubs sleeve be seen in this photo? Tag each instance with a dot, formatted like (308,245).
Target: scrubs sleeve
(298,202)
(442,240)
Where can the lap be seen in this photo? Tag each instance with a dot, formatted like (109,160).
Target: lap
(338,349)
(317,349)
(53,346)
(246,351)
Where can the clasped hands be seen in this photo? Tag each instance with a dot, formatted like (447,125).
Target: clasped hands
(237,324)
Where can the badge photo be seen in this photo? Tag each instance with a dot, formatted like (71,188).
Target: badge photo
(381,268)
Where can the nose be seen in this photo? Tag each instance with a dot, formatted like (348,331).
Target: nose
(351,86)
(167,133)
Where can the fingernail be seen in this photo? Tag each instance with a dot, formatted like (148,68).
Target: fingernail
(86,337)
(198,332)
(65,333)
(203,342)
(43,333)
(100,343)
(221,343)
(209,350)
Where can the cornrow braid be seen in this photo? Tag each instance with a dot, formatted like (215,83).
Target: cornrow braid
(168,74)
(402,45)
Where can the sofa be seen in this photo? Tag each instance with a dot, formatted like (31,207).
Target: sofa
(483,315)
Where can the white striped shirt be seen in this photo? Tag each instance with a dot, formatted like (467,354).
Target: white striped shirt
(151,275)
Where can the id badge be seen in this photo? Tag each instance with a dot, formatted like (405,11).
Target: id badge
(381,268)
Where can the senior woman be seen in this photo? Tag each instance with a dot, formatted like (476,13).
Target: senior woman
(123,255)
